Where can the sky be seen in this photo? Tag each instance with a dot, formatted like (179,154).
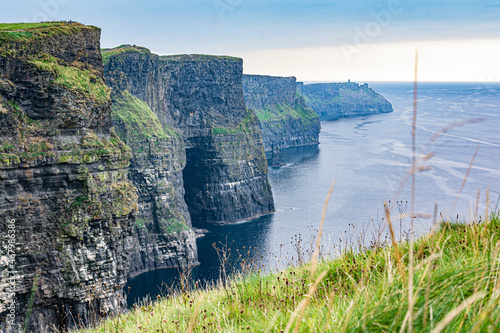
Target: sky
(314,40)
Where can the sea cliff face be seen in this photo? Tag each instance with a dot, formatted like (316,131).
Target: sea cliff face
(285,118)
(335,100)
(64,189)
(225,178)
(163,234)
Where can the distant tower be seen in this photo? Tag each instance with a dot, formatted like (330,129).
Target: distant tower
(349,80)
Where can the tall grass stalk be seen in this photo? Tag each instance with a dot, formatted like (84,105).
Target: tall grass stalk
(315,257)
(409,315)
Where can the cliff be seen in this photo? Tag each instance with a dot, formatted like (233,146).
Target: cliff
(66,204)
(285,118)
(163,234)
(335,100)
(225,178)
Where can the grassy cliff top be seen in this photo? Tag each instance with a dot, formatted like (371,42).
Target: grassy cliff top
(112,52)
(50,47)
(258,76)
(107,53)
(24,32)
(199,57)
(446,281)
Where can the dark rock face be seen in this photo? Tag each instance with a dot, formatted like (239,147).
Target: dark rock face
(336,100)
(226,174)
(285,119)
(63,182)
(163,237)
(201,96)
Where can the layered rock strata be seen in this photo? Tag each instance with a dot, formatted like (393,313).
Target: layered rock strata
(225,178)
(335,100)
(163,234)
(285,118)
(64,191)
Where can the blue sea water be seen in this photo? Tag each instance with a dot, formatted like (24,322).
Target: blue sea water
(369,158)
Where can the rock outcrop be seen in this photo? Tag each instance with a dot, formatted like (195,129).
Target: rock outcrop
(163,234)
(64,192)
(335,100)
(285,118)
(225,177)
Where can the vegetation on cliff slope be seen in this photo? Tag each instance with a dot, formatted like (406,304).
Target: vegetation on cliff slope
(281,112)
(452,285)
(28,143)
(135,120)
(246,125)
(75,76)
(22,41)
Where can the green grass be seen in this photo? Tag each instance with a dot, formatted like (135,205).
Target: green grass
(75,77)
(135,120)
(281,112)
(107,54)
(140,223)
(17,39)
(456,288)
(27,26)
(223,130)
(26,32)
(200,57)
(174,226)
(244,127)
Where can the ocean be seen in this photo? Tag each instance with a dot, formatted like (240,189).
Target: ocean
(368,158)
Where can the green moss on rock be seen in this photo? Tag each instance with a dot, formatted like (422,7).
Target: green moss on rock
(244,127)
(100,201)
(281,112)
(28,143)
(174,226)
(26,32)
(74,76)
(135,120)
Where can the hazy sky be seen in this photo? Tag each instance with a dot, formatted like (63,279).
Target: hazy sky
(315,40)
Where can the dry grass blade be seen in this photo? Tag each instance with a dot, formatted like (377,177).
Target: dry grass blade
(413,174)
(425,243)
(448,128)
(487,216)
(466,176)
(456,311)
(192,321)
(315,258)
(397,255)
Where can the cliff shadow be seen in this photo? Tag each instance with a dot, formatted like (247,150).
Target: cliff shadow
(239,237)
(295,155)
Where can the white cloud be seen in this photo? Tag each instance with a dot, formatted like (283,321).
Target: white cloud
(449,60)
